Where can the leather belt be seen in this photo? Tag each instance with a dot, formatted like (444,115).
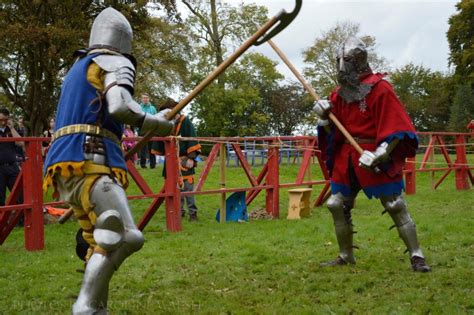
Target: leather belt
(87,129)
(362,140)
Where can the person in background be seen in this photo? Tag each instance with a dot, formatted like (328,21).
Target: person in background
(47,133)
(20,152)
(128,144)
(21,126)
(367,106)
(188,152)
(145,152)
(9,168)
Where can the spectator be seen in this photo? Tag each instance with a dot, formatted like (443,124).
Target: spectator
(48,133)
(128,144)
(188,152)
(145,153)
(21,126)
(20,153)
(9,169)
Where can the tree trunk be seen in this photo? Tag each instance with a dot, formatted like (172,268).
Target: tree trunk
(218,54)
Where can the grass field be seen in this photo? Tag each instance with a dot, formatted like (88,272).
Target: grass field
(262,267)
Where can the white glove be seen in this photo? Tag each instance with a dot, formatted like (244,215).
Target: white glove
(322,108)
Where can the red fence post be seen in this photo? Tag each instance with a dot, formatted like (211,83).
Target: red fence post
(410,176)
(33,194)
(272,179)
(461,163)
(172,202)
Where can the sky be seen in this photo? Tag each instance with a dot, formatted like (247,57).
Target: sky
(405,30)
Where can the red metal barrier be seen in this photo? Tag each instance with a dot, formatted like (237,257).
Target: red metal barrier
(268,179)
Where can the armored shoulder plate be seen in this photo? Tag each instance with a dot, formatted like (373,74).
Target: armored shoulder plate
(120,70)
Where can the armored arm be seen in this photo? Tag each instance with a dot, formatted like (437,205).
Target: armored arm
(369,159)
(119,86)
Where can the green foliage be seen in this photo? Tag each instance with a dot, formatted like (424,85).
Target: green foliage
(262,267)
(216,25)
(462,110)
(162,50)
(321,56)
(236,108)
(37,39)
(36,44)
(288,107)
(426,95)
(461,40)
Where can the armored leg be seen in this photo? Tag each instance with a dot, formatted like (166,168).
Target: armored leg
(340,207)
(117,237)
(396,206)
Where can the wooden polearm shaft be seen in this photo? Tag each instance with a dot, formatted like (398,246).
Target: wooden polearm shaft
(69,212)
(316,97)
(208,80)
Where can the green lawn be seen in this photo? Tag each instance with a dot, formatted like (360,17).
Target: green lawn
(262,267)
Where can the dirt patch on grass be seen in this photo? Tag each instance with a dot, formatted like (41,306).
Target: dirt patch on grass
(260,214)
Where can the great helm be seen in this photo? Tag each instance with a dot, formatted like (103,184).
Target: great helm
(111,30)
(354,53)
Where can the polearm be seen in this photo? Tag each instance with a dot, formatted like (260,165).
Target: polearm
(65,216)
(283,19)
(316,97)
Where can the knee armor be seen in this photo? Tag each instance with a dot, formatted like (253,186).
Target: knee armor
(115,230)
(109,231)
(396,206)
(340,208)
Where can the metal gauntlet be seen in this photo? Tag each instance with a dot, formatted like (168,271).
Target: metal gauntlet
(158,123)
(322,108)
(370,159)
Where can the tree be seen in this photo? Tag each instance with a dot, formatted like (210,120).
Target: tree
(233,105)
(321,56)
(425,94)
(214,25)
(36,44)
(162,50)
(288,107)
(237,108)
(461,41)
(462,110)
(37,39)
